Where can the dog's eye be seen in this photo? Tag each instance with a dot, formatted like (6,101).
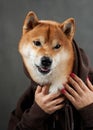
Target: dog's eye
(37,43)
(57,46)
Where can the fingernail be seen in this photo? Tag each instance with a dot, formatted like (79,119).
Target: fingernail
(88,78)
(63,90)
(72,75)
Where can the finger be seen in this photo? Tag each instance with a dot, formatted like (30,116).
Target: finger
(69,96)
(58,107)
(71,91)
(57,101)
(90,86)
(75,86)
(79,81)
(45,90)
(39,89)
(53,109)
(53,96)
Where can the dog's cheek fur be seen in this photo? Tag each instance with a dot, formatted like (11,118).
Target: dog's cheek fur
(29,56)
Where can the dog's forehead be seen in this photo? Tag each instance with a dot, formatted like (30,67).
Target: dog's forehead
(48,30)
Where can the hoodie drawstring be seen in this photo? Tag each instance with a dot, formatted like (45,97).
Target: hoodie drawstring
(69,121)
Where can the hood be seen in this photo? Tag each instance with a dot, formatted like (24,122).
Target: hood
(81,64)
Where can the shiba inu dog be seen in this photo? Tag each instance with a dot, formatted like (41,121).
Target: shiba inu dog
(47,51)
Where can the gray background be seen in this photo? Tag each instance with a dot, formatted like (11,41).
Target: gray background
(12,13)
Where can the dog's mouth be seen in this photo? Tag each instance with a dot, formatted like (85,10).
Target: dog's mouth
(43,70)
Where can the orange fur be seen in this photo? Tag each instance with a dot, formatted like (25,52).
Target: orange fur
(50,34)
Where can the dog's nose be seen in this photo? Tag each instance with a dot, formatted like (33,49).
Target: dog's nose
(46,61)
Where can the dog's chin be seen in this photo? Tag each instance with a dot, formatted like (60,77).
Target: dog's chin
(43,70)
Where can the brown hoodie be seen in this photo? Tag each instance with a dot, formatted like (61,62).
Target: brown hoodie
(29,116)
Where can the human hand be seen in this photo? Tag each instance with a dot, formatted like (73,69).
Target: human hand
(80,95)
(48,102)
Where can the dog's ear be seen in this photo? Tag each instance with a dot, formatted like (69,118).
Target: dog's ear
(30,22)
(68,27)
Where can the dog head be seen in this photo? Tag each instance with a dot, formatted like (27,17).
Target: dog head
(46,48)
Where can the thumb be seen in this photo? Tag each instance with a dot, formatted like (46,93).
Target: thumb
(39,89)
(45,90)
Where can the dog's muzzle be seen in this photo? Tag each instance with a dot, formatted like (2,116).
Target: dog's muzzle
(45,65)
